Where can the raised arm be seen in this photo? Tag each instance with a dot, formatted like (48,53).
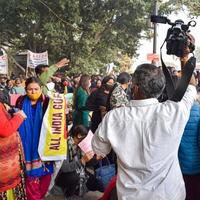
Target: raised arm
(45,76)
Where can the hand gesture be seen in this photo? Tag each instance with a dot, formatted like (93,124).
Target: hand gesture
(99,157)
(62,63)
(187,50)
(87,157)
(21,113)
(193,81)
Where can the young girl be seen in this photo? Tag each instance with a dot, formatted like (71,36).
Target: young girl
(73,178)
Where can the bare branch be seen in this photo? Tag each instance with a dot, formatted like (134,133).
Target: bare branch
(56,15)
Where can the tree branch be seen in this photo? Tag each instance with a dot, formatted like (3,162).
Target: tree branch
(56,15)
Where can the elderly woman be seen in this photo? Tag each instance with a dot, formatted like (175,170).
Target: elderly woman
(11,156)
(38,173)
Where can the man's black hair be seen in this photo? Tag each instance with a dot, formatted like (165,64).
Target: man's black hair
(39,69)
(150,79)
(123,78)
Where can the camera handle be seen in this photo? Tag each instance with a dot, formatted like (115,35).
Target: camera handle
(177,93)
(192,23)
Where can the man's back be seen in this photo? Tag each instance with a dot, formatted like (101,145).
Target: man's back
(145,136)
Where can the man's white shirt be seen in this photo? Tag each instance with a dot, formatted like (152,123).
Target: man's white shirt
(146,135)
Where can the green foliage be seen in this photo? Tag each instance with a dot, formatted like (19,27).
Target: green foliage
(192,5)
(89,32)
(168,7)
(175,5)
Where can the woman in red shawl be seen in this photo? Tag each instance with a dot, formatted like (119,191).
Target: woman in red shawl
(11,156)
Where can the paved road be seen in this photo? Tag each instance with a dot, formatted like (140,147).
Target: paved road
(88,196)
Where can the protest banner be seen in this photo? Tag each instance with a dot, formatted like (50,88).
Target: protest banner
(86,144)
(153,57)
(53,135)
(3,64)
(109,68)
(34,59)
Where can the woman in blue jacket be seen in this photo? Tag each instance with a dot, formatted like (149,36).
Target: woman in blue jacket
(189,154)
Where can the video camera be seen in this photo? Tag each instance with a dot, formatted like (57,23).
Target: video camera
(177,36)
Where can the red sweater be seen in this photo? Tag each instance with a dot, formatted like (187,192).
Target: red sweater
(10,145)
(8,125)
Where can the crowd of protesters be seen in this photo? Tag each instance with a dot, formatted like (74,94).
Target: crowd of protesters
(154,145)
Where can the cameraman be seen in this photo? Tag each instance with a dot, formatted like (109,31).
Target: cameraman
(146,135)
